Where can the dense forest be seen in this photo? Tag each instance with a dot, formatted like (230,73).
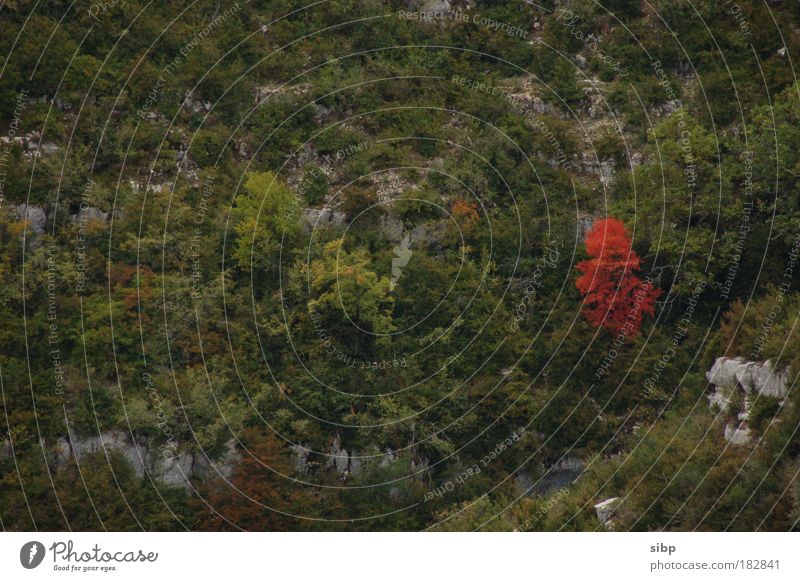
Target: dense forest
(399,265)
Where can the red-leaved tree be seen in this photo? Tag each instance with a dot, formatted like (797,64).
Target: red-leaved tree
(260,496)
(615,297)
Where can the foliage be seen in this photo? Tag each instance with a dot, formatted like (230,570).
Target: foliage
(614,296)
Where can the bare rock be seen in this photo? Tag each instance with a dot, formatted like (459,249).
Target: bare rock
(205,467)
(723,372)
(584,224)
(49,148)
(174,470)
(770,382)
(338,457)
(605,511)
(34,216)
(314,218)
(730,376)
(560,475)
(90,214)
(388,457)
(300,454)
(391,228)
(730,373)
(107,442)
(606,171)
(438,7)
(738,434)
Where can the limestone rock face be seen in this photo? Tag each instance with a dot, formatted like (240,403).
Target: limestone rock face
(175,470)
(49,148)
(738,434)
(560,475)
(90,214)
(752,377)
(732,376)
(318,217)
(723,372)
(425,235)
(770,382)
(338,458)
(112,441)
(165,465)
(35,216)
(605,511)
(208,468)
(300,457)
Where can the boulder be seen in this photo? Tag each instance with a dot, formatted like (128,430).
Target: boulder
(738,434)
(49,148)
(438,7)
(318,217)
(560,475)
(90,214)
(605,511)
(34,216)
(729,375)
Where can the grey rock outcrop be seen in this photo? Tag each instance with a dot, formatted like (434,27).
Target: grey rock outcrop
(115,440)
(49,148)
(35,216)
(738,434)
(174,470)
(605,511)
(165,465)
(338,457)
(314,218)
(603,169)
(425,235)
(753,378)
(438,7)
(736,383)
(90,214)
(557,477)
(300,453)
(583,225)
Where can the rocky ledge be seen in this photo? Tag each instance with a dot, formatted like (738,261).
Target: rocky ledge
(736,384)
(173,467)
